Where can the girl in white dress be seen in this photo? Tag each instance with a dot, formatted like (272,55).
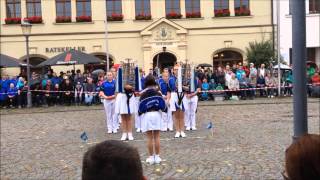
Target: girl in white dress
(150,107)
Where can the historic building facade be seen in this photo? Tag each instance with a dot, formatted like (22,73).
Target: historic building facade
(312,29)
(150,32)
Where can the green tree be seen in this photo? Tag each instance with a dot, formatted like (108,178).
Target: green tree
(261,52)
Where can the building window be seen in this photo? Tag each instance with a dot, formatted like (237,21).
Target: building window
(221,8)
(142,8)
(241,8)
(63,11)
(114,10)
(13,8)
(83,11)
(314,6)
(33,8)
(173,9)
(193,9)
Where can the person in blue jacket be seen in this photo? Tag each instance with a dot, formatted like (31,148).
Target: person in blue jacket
(150,107)
(166,94)
(12,96)
(3,90)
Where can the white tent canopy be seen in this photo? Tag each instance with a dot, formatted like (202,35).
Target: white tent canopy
(282,66)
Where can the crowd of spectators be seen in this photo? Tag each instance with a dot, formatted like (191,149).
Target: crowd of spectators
(72,87)
(239,80)
(75,87)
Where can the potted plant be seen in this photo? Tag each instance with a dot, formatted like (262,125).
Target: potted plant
(115,17)
(193,15)
(222,13)
(242,12)
(143,17)
(83,19)
(13,20)
(173,15)
(63,19)
(34,19)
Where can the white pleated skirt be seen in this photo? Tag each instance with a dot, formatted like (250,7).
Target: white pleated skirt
(151,121)
(121,106)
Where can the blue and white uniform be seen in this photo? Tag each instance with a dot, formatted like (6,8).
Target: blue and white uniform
(190,105)
(174,100)
(166,116)
(125,106)
(150,107)
(108,88)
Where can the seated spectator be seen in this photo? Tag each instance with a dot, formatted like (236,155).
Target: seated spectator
(48,93)
(89,91)
(67,95)
(78,92)
(244,83)
(316,79)
(303,158)
(12,96)
(233,86)
(261,83)
(315,87)
(37,99)
(57,95)
(3,90)
(205,87)
(112,160)
(271,84)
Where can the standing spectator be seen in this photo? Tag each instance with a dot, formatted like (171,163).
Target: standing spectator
(22,95)
(79,77)
(271,84)
(253,77)
(12,96)
(240,72)
(56,95)
(262,71)
(288,80)
(246,69)
(78,92)
(48,93)
(234,68)
(55,79)
(89,91)
(310,71)
(36,94)
(228,73)
(201,75)
(261,83)
(68,90)
(220,77)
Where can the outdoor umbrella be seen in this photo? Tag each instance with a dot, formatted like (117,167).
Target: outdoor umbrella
(7,61)
(204,65)
(97,72)
(282,66)
(71,57)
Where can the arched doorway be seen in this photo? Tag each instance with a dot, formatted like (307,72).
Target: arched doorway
(164,60)
(102,65)
(34,62)
(227,57)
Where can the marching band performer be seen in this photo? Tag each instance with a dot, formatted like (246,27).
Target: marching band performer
(107,93)
(138,88)
(166,94)
(191,101)
(150,107)
(125,105)
(176,101)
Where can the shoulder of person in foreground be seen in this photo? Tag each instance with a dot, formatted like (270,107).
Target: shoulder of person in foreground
(112,159)
(149,92)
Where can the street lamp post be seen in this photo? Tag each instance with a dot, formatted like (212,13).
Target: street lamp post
(26,31)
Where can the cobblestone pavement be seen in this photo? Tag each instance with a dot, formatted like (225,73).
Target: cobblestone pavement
(249,141)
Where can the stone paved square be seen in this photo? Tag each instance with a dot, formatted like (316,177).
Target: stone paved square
(249,141)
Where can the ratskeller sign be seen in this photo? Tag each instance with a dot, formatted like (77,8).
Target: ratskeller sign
(64,49)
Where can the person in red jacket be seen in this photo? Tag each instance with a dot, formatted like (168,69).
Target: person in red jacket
(316,79)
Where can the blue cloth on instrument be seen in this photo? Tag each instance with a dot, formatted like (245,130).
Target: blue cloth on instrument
(108,88)
(164,87)
(172,83)
(151,100)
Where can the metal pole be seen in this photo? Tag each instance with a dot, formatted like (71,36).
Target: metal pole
(29,100)
(106,36)
(299,68)
(278,49)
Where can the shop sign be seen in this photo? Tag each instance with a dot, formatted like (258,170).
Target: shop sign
(64,49)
